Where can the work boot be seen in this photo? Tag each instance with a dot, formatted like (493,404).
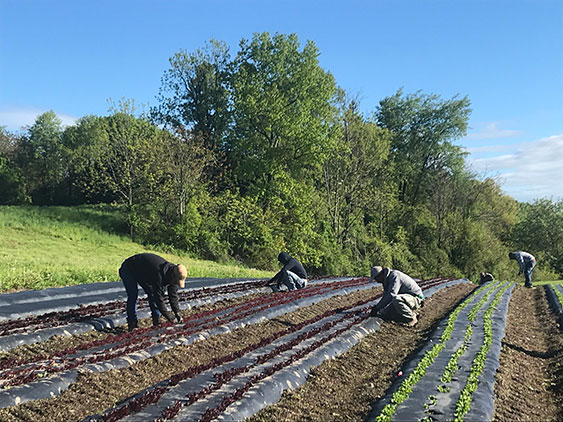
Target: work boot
(155,320)
(275,288)
(132,324)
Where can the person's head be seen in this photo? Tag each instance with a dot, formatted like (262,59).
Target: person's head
(284,257)
(375,274)
(180,273)
(511,255)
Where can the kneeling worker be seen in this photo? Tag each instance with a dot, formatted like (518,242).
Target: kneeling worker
(401,296)
(152,273)
(292,274)
(484,277)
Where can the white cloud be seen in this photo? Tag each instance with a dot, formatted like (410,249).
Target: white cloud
(488,148)
(15,119)
(492,131)
(532,170)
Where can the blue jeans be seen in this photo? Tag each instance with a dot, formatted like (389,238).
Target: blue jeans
(528,272)
(132,289)
(292,280)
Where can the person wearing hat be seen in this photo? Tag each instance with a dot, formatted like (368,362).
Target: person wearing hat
(526,262)
(153,273)
(292,274)
(401,296)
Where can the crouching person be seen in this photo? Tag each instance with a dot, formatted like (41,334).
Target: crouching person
(292,274)
(153,273)
(485,277)
(401,296)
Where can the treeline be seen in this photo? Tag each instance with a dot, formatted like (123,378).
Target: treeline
(247,155)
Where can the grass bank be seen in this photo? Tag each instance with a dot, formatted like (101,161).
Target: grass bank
(57,246)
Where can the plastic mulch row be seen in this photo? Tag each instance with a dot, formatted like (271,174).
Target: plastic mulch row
(269,390)
(425,399)
(56,384)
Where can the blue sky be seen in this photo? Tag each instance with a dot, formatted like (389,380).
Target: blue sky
(506,56)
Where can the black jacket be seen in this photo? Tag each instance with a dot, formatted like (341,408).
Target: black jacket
(153,273)
(289,264)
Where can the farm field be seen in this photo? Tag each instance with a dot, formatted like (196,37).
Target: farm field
(311,354)
(54,246)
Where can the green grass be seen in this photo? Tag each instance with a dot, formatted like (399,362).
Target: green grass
(541,283)
(57,246)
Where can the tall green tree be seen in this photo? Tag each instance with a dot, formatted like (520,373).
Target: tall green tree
(87,145)
(194,93)
(354,173)
(12,189)
(282,109)
(42,158)
(423,128)
(540,231)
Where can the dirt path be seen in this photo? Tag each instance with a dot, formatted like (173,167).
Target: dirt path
(344,389)
(529,384)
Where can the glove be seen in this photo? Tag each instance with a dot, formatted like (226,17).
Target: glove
(179,319)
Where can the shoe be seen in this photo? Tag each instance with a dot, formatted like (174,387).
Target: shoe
(413,321)
(155,321)
(529,286)
(132,324)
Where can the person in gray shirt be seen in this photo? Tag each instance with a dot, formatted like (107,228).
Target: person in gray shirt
(526,262)
(401,296)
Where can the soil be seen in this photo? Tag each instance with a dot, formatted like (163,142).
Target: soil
(345,388)
(58,343)
(95,393)
(529,382)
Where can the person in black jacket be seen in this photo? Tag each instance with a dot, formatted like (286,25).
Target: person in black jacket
(292,274)
(153,273)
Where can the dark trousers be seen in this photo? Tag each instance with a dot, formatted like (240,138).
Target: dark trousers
(132,289)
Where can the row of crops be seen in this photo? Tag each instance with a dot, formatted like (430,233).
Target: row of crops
(450,378)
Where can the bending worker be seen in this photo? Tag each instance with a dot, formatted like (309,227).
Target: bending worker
(401,296)
(526,262)
(153,273)
(292,274)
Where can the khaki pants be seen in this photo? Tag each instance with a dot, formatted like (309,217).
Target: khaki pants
(401,308)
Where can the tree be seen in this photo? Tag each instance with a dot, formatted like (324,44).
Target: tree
(423,127)
(282,109)
(87,145)
(42,158)
(11,188)
(194,94)
(353,173)
(540,231)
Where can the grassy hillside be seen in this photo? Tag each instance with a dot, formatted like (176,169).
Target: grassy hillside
(56,246)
